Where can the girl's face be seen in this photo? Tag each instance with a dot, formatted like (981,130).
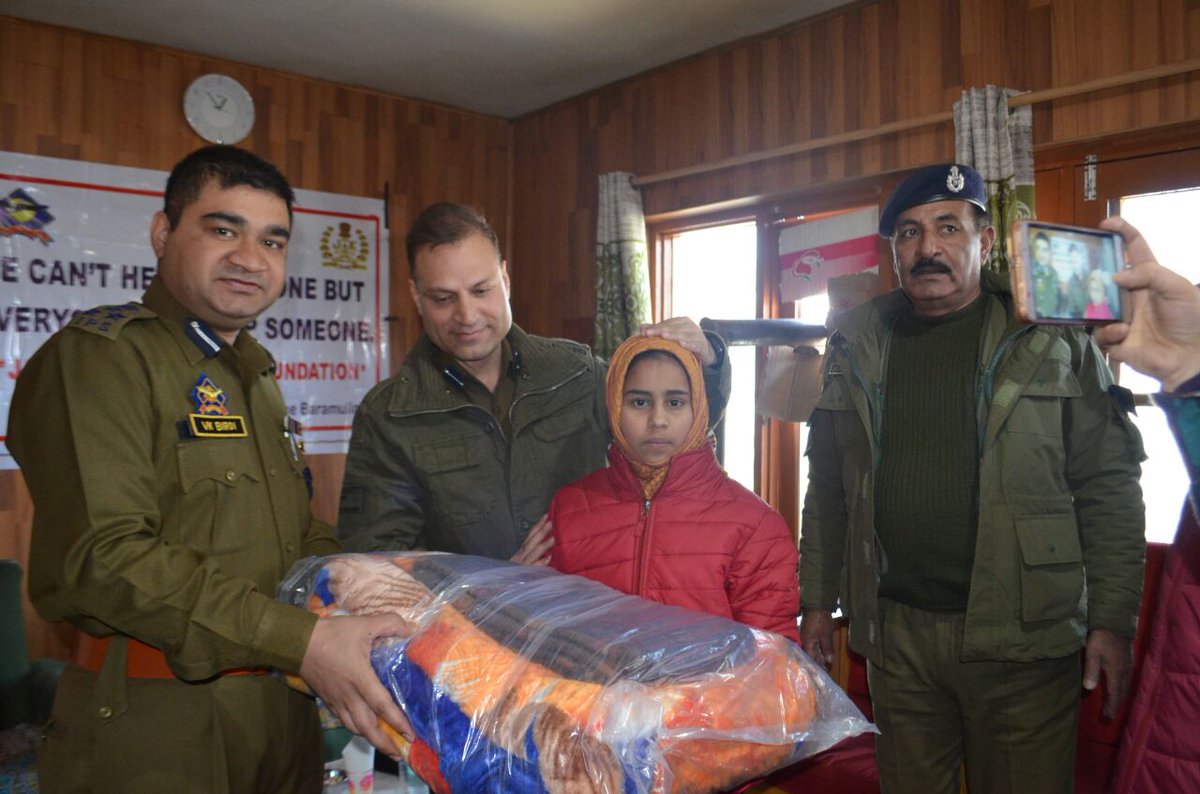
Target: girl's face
(656,408)
(1096,290)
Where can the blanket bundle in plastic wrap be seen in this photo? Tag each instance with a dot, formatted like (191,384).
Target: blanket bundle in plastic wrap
(520,678)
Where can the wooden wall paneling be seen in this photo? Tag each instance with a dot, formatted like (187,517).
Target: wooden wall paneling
(871,63)
(1058,166)
(1153,173)
(1052,196)
(80,96)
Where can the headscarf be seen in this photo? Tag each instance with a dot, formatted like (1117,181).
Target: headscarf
(652,475)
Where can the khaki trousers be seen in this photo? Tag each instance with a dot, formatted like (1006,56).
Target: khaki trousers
(1013,723)
(241,734)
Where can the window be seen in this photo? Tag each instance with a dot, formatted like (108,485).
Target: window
(813,309)
(1152,181)
(721,271)
(714,274)
(1163,219)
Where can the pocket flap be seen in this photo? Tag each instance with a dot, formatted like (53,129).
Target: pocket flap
(220,460)
(1053,378)
(1049,539)
(447,455)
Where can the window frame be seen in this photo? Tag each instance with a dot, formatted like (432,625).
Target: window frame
(777,443)
(1161,160)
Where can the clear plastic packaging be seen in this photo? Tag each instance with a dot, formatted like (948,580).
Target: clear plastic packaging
(520,678)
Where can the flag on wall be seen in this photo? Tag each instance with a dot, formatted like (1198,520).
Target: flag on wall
(812,253)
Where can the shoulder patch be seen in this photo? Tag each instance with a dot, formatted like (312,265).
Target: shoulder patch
(109,320)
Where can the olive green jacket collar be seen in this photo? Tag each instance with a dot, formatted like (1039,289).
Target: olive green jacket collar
(543,366)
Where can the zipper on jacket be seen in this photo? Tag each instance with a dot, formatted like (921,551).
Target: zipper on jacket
(874,417)
(641,549)
(546,390)
(468,404)
(984,392)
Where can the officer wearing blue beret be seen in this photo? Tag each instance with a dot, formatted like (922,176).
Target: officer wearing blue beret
(973,508)
(953,182)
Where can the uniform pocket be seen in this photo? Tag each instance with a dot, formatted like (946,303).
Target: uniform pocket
(449,455)
(1039,408)
(461,498)
(1051,567)
(220,497)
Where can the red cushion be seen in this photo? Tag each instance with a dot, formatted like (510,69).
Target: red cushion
(847,768)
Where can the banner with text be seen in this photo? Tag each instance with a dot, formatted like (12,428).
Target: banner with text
(75,235)
(812,253)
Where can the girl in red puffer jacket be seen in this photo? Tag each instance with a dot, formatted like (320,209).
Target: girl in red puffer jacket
(664,521)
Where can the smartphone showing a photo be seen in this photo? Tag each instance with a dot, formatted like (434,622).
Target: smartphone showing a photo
(1064,274)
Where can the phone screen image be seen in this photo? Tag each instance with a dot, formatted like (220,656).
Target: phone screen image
(1070,274)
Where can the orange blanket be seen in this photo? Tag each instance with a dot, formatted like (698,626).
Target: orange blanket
(523,679)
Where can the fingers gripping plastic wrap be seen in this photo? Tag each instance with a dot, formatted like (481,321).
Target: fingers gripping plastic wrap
(520,678)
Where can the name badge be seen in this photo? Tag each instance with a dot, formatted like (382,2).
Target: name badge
(227,426)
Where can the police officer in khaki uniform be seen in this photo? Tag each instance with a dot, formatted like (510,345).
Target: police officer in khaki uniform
(171,497)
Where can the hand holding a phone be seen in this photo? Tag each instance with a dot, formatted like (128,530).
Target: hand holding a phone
(1162,338)
(1064,275)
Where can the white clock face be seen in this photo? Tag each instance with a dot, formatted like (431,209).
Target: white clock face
(218,108)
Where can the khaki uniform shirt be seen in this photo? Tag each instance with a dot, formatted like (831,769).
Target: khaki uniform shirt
(169,501)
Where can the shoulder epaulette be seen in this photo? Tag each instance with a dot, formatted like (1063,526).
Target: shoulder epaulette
(109,320)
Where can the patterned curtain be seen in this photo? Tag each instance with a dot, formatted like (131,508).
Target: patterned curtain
(999,145)
(622,277)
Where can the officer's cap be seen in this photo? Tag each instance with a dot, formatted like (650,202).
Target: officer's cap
(942,182)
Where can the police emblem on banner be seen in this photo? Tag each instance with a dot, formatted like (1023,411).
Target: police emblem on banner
(345,246)
(21,215)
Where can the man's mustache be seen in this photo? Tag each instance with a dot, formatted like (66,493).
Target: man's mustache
(929,265)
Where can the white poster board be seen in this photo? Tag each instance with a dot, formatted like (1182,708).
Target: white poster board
(812,253)
(75,235)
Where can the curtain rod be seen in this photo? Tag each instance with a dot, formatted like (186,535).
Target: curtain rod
(1033,97)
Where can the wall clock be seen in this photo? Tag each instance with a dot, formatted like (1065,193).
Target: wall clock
(218,108)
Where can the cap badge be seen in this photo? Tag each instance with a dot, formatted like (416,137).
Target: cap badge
(955,181)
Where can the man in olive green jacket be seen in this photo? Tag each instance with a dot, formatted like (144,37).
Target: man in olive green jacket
(978,523)
(464,447)
(170,500)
